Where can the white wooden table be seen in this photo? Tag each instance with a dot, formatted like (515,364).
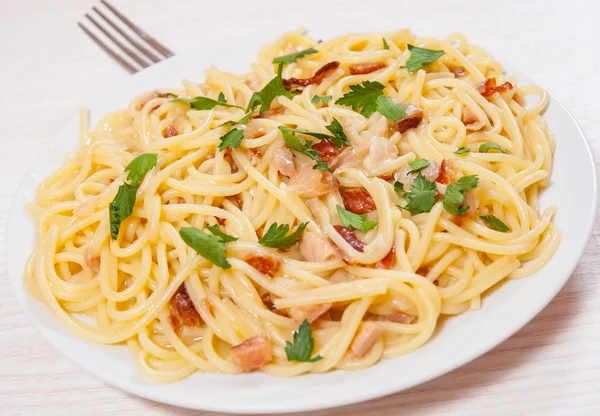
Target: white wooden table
(48,68)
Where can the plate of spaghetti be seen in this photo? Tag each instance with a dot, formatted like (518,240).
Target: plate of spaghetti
(349,218)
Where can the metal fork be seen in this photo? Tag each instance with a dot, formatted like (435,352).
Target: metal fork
(146,51)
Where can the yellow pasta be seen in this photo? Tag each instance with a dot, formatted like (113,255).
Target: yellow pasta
(387,285)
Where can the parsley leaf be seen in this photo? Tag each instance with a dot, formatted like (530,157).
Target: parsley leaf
(487,146)
(293,57)
(356,221)
(369,96)
(455,194)
(494,223)
(221,98)
(420,57)
(321,99)
(303,346)
(421,197)
(216,231)
(294,143)
(391,111)
(462,150)
(339,138)
(231,139)
(210,247)
(205,103)
(139,166)
(418,165)
(241,121)
(398,187)
(385,44)
(276,236)
(121,207)
(362,96)
(264,97)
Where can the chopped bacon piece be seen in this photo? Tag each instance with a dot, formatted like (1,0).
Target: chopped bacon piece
(380,151)
(308,312)
(327,150)
(414,116)
(406,178)
(252,354)
(283,160)
(350,238)
(388,261)
(319,76)
(183,311)
(93,262)
(270,113)
(358,200)
(310,182)
(489,89)
(256,156)
(458,72)
(170,131)
(264,263)
(446,174)
(366,68)
(398,317)
(470,120)
(316,247)
(368,334)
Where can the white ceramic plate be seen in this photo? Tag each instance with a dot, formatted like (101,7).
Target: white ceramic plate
(462,338)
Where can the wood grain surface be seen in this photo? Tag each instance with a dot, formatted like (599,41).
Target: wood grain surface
(48,68)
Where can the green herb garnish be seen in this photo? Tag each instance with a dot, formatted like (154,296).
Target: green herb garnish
(277,236)
(211,247)
(455,194)
(356,221)
(303,346)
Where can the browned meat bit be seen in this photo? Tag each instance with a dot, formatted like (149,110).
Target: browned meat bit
(489,89)
(398,317)
(252,353)
(93,262)
(255,156)
(368,334)
(310,182)
(388,261)
(308,312)
(366,68)
(319,76)
(317,247)
(446,174)
(268,301)
(414,116)
(350,238)
(458,72)
(327,149)
(170,131)
(283,160)
(358,200)
(264,263)
(270,113)
(183,312)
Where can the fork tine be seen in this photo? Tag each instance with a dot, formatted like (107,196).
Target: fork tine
(124,48)
(106,49)
(136,44)
(156,44)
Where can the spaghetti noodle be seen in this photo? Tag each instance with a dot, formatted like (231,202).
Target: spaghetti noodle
(418,205)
